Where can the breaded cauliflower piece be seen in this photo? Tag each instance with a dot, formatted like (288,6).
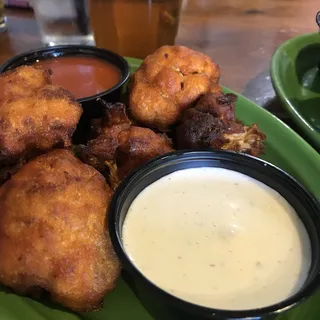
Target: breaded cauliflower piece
(37,123)
(54,232)
(170,80)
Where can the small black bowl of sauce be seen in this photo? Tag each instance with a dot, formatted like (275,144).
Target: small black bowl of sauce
(89,73)
(216,235)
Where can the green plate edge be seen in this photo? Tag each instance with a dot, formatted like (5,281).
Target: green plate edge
(297,43)
(283,148)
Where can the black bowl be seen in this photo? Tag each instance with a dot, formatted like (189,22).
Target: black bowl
(92,108)
(161,304)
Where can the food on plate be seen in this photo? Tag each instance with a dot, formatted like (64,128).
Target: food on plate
(212,124)
(53,232)
(243,248)
(120,146)
(169,81)
(82,76)
(36,123)
(21,82)
(220,105)
(53,226)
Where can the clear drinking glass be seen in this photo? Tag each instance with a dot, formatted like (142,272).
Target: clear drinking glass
(3,19)
(134,28)
(63,22)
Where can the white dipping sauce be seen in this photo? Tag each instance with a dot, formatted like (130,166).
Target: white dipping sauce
(218,238)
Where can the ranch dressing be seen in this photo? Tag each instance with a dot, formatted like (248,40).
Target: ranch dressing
(217,238)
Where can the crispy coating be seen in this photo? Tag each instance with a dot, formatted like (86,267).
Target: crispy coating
(53,232)
(122,147)
(37,123)
(104,147)
(212,124)
(138,146)
(22,81)
(219,105)
(169,81)
(250,141)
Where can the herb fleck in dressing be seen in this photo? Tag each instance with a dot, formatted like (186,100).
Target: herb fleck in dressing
(218,238)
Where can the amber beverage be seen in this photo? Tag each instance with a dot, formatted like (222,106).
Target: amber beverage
(134,28)
(3,24)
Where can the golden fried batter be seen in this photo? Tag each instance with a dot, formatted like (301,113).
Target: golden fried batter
(37,123)
(250,141)
(22,81)
(169,81)
(212,124)
(53,232)
(121,147)
(219,105)
(138,146)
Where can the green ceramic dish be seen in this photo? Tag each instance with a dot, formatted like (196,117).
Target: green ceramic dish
(296,80)
(283,148)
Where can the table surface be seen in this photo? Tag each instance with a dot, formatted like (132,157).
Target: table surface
(240,35)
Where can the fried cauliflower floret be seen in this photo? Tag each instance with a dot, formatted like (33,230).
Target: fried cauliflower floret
(169,81)
(22,81)
(211,124)
(122,147)
(37,123)
(220,105)
(138,146)
(250,141)
(53,232)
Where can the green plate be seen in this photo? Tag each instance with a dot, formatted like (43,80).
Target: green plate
(296,79)
(283,148)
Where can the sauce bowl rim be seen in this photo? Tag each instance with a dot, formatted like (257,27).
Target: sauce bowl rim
(115,209)
(125,71)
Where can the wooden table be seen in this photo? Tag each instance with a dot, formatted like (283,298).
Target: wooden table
(240,35)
